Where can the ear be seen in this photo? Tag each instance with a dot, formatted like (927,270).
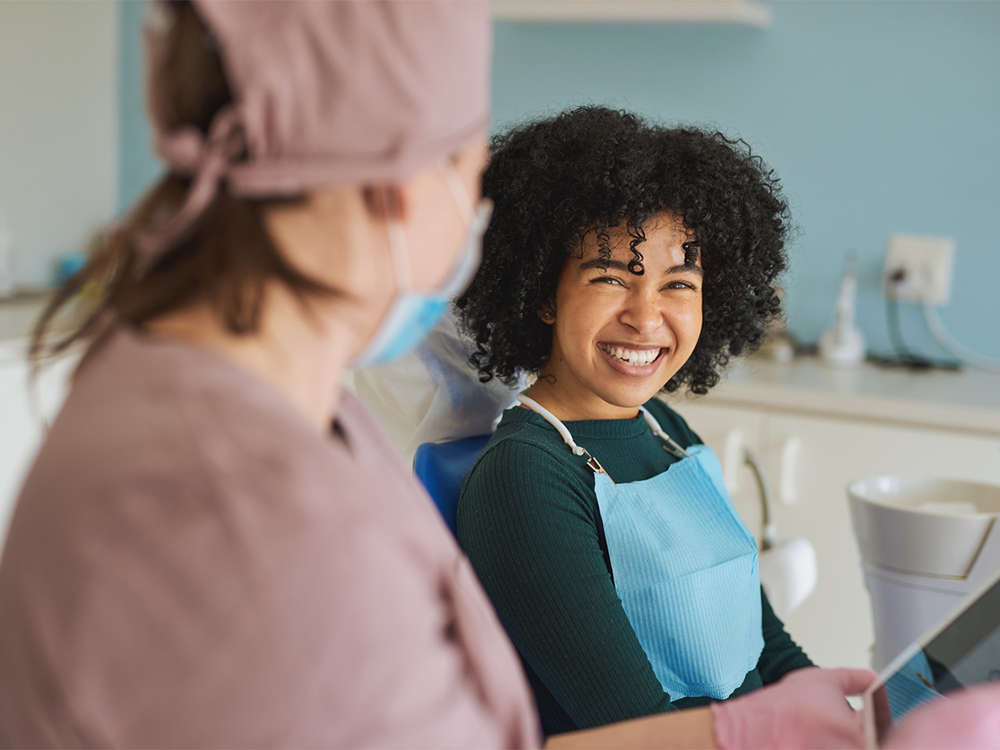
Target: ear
(547,313)
(386,201)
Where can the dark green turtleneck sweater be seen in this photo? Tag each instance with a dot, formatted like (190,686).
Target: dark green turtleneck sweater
(529,521)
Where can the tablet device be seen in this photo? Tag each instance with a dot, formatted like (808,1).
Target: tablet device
(963,649)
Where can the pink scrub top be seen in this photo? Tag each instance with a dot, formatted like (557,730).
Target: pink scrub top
(191,564)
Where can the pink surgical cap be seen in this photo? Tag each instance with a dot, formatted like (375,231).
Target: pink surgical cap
(327,93)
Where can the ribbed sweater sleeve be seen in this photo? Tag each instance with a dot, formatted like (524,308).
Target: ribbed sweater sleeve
(528,526)
(781,654)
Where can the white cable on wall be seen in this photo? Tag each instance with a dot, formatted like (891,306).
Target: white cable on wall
(955,348)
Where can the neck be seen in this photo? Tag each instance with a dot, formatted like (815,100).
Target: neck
(304,356)
(566,407)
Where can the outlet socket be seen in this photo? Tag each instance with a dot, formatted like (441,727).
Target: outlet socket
(918,269)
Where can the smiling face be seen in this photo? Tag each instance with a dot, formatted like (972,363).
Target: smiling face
(617,337)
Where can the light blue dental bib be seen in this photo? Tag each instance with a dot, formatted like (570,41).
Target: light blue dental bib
(685,569)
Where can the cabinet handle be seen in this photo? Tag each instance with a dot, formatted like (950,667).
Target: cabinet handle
(769,529)
(733,456)
(789,460)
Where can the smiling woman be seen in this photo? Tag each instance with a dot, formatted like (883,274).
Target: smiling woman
(624,259)
(619,336)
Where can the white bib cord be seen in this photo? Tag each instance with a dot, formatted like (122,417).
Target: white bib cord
(554,421)
(671,445)
(578,450)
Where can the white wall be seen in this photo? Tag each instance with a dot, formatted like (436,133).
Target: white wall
(58,127)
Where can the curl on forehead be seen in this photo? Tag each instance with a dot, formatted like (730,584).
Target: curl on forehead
(604,238)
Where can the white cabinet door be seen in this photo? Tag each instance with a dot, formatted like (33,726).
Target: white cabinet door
(834,625)
(729,431)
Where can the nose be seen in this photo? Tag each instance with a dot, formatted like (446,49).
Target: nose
(642,313)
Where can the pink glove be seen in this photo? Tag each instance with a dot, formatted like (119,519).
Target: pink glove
(806,708)
(966,719)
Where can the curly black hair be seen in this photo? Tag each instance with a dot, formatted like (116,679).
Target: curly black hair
(591,169)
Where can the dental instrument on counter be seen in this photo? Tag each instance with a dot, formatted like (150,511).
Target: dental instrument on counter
(843,344)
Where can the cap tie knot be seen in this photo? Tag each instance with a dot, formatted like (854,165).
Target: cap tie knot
(208,160)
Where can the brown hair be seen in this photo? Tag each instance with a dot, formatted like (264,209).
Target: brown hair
(227,258)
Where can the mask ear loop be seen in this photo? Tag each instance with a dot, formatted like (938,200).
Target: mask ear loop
(397,237)
(400,258)
(458,192)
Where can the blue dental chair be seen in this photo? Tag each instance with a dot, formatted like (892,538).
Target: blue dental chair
(441,467)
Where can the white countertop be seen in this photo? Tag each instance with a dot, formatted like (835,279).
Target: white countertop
(968,400)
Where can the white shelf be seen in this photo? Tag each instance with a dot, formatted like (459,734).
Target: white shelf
(741,12)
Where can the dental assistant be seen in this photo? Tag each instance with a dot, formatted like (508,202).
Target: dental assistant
(216,546)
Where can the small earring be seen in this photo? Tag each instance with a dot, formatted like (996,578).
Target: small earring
(546,315)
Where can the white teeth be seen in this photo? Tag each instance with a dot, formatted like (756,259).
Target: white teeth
(631,356)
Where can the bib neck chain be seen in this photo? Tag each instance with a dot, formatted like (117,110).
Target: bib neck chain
(671,445)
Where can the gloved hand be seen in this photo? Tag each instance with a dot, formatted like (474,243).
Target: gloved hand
(966,719)
(806,708)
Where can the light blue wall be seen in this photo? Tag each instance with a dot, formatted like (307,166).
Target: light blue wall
(137,164)
(880,117)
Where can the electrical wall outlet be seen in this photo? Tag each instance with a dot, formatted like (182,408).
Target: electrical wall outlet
(918,269)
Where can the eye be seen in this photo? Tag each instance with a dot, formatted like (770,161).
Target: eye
(680,284)
(606,280)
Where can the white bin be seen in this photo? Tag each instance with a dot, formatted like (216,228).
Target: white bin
(925,544)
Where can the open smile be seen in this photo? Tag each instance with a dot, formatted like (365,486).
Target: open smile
(634,358)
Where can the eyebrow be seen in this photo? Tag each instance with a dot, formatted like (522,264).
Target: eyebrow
(619,266)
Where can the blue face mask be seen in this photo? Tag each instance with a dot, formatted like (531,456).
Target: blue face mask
(412,315)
